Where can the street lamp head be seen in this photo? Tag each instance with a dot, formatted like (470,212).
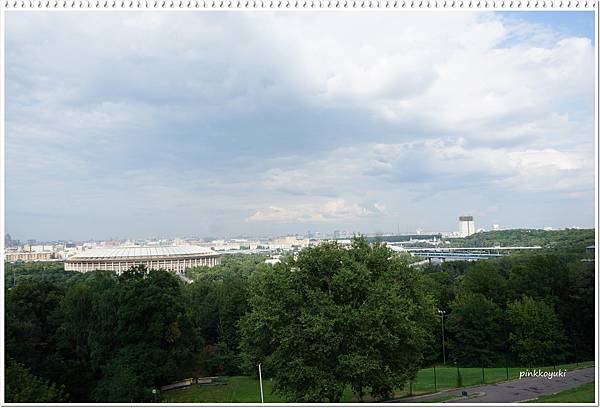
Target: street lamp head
(441,311)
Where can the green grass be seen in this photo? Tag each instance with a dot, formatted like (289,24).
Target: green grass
(239,389)
(246,389)
(447,377)
(580,394)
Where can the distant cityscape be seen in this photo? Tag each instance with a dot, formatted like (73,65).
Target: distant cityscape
(33,250)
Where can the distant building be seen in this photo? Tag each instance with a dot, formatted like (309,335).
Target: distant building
(38,248)
(9,242)
(289,242)
(27,256)
(466,226)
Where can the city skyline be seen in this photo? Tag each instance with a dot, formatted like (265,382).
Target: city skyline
(308,125)
(322,234)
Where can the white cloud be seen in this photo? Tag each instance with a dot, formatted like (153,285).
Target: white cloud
(314,117)
(330,210)
(437,164)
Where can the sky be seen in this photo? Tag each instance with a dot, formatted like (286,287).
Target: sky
(223,124)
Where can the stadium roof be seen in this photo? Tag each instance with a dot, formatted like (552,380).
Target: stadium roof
(138,252)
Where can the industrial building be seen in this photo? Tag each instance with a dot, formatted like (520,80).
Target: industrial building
(170,258)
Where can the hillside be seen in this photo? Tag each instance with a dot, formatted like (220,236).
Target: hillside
(570,240)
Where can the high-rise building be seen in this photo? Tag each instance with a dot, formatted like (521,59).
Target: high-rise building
(466,226)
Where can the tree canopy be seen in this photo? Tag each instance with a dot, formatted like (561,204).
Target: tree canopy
(337,317)
(332,319)
(536,333)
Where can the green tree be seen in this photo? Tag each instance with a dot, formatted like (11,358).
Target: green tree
(85,336)
(440,283)
(120,336)
(580,303)
(22,386)
(121,384)
(475,326)
(20,272)
(337,317)
(217,300)
(151,334)
(541,276)
(568,240)
(536,334)
(232,265)
(485,278)
(29,327)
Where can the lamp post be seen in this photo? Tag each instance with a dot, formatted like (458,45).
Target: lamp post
(262,399)
(442,313)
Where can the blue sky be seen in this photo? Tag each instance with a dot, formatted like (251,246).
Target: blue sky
(567,23)
(224,124)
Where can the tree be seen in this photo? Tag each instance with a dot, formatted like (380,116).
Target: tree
(337,317)
(232,265)
(536,334)
(568,240)
(20,272)
(123,334)
(440,283)
(485,278)
(121,384)
(215,307)
(475,326)
(85,336)
(22,386)
(29,327)
(549,272)
(151,335)
(580,303)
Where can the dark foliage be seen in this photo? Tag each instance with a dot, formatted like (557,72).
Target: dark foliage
(332,317)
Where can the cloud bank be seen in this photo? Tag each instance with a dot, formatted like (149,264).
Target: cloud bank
(182,124)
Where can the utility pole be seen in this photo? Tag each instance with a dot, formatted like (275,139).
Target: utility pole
(442,312)
(262,399)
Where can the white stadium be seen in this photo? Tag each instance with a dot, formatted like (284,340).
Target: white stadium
(170,258)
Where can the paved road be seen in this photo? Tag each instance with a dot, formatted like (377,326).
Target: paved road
(515,390)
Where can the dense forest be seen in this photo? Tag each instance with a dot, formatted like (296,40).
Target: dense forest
(333,317)
(567,240)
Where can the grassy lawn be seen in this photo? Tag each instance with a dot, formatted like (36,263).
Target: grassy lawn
(447,377)
(246,389)
(239,389)
(583,393)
